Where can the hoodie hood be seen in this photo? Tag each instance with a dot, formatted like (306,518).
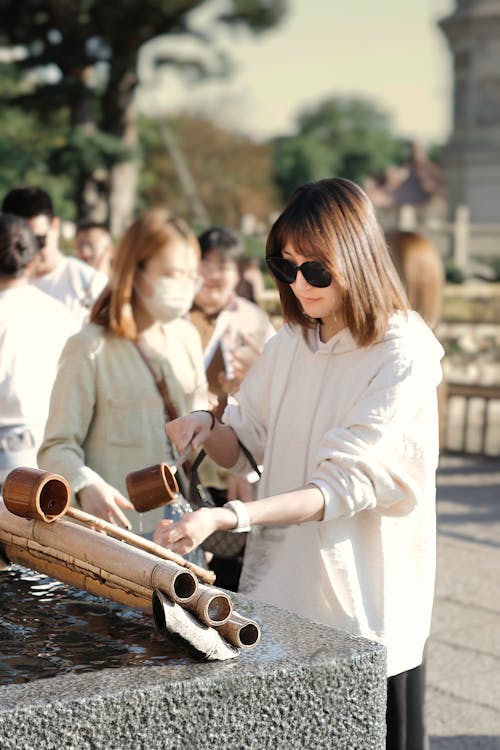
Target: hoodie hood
(407,328)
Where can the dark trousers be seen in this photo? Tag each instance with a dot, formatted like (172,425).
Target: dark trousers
(405,710)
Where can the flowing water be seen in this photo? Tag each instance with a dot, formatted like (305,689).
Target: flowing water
(48,629)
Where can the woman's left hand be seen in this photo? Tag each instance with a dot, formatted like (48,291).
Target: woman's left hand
(184,535)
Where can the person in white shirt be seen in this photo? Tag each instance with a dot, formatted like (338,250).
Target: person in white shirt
(33,330)
(71,281)
(341,410)
(94,245)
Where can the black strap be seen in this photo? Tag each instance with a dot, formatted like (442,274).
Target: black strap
(199,496)
(250,458)
(253,463)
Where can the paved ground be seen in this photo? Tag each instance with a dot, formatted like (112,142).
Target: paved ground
(463,680)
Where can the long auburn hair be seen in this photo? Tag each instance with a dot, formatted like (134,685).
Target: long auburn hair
(147,235)
(421,269)
(334,222)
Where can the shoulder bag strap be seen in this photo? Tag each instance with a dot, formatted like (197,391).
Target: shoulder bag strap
(253,463)
(168,405)
(170,410)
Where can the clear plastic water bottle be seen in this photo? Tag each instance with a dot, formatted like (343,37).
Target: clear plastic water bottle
(174,511)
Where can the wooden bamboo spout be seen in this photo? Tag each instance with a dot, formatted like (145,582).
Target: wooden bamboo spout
(95,562)
(36,494)
(211,605)
(35,531)
(240,631)
(170,618)
(207,576)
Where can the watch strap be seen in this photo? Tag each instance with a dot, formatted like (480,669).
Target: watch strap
(242,515)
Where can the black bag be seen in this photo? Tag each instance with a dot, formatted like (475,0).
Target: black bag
(224,544)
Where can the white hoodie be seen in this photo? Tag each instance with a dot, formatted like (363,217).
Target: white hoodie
(362,425)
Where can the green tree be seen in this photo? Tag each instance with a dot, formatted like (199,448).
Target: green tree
(342,136)
(81,56)
(300,159)
(25,147)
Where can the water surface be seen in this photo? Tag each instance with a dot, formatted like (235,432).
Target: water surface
(48,628)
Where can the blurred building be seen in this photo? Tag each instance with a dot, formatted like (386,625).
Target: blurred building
(419,183)
(472,156)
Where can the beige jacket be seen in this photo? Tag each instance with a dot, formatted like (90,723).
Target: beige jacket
(106,416)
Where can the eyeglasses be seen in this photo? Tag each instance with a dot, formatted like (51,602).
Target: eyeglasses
(180,274)
(41,240)
(314,273)
(187,277)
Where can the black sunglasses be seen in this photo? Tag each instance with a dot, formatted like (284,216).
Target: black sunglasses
(314,273)
(41,240)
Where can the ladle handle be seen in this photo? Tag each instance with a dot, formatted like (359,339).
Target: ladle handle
(207,576)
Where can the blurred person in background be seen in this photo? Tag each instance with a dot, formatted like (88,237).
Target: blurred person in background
(67,279)
(94,245)
(421,270)
(107,417)
(33,330)
(251,283)
(233,332)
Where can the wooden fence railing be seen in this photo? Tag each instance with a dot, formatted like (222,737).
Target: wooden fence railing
(458,238)
(477,418)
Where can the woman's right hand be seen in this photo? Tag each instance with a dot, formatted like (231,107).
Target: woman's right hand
(190,430)
(104,501)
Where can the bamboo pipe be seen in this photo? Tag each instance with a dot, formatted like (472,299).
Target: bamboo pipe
(211,605)
(121,578)
(170,618)
(37,494)
(240,631)
(207,576)
(88,546)
(79,579)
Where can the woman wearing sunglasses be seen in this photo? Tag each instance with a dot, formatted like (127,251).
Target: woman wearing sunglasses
(341,411)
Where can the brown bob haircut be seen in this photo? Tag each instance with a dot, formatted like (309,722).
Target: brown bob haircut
(153,231)
(333,221)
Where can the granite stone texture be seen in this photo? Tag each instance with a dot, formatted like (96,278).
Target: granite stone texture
(304,686)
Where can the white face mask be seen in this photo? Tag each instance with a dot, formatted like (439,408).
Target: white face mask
(171,298)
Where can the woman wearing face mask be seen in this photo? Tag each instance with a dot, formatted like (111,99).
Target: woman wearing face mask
(106,413)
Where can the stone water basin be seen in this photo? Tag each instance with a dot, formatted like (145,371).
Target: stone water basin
(81,673)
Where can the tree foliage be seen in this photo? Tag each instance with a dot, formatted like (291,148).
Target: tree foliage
(233,175)
(342,136)
(25,146)
(80,75)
